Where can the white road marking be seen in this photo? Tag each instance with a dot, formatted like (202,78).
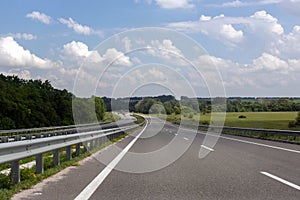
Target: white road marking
(185,138)
(260,144)
(92,187)
(244,141)
(205,147)
(297,187)
(176,134)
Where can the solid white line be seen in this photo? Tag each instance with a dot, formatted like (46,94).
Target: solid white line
(185,138)
(260,144)
(281,180)
(205,147)
(92,187)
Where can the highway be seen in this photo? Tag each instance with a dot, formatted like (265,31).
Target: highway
(235,168)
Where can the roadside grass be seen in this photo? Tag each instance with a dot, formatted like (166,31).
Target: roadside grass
(139,118)
(264,120)
(29,178)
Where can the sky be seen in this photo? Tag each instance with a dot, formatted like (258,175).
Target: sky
(247,48)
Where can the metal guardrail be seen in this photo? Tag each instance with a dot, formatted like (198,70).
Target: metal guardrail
(10,133)
(252,131)
(14,138)
(15,151)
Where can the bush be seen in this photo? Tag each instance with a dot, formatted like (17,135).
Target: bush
(292,124)
(5,181)
(242,117)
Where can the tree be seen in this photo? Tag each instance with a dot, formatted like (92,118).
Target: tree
(296,123)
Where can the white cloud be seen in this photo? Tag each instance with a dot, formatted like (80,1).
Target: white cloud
(269,62)
(24,74)
(166,51)
(262,18)
(260,24)
(76,49)
(205,18)
(288,46)
(78,52)
(117,57)
(238,3)
(230,34)
(14,55)
(78,28)
(172,4)
(39,16)
(127,43)
(25,36)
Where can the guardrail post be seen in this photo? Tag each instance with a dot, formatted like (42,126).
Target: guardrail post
(4,139)
(91,144)
(78,149)
(85,146)
(56,157)
(69,152)
(15,171)
(39,164)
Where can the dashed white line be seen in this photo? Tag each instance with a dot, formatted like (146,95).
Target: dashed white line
(297,187)
(244,141)
(205,147)
(92,187)
(186,138)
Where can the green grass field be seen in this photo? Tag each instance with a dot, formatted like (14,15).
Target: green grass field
(267,120)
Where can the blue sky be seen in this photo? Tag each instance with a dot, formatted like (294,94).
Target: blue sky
(255,45)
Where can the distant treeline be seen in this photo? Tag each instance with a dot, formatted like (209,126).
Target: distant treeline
(203,105)
(34,103)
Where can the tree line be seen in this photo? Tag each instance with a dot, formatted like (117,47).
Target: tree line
(34,103)
(203,105)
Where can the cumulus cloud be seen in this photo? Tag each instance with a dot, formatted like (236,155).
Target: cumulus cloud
(14,55)
(78,28)
(288,46)
(35,15)
(164,48)
(230,34)
(262,19)
(78,52)
(260,24)
(269,62)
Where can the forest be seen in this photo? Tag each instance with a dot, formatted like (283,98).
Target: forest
(34,103)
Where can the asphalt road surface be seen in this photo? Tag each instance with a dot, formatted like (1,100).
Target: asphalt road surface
(236,168)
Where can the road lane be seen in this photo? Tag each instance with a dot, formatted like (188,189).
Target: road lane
(231,171)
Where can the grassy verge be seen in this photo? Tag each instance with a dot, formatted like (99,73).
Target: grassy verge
(139,118)
(264,120)
(29,178)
